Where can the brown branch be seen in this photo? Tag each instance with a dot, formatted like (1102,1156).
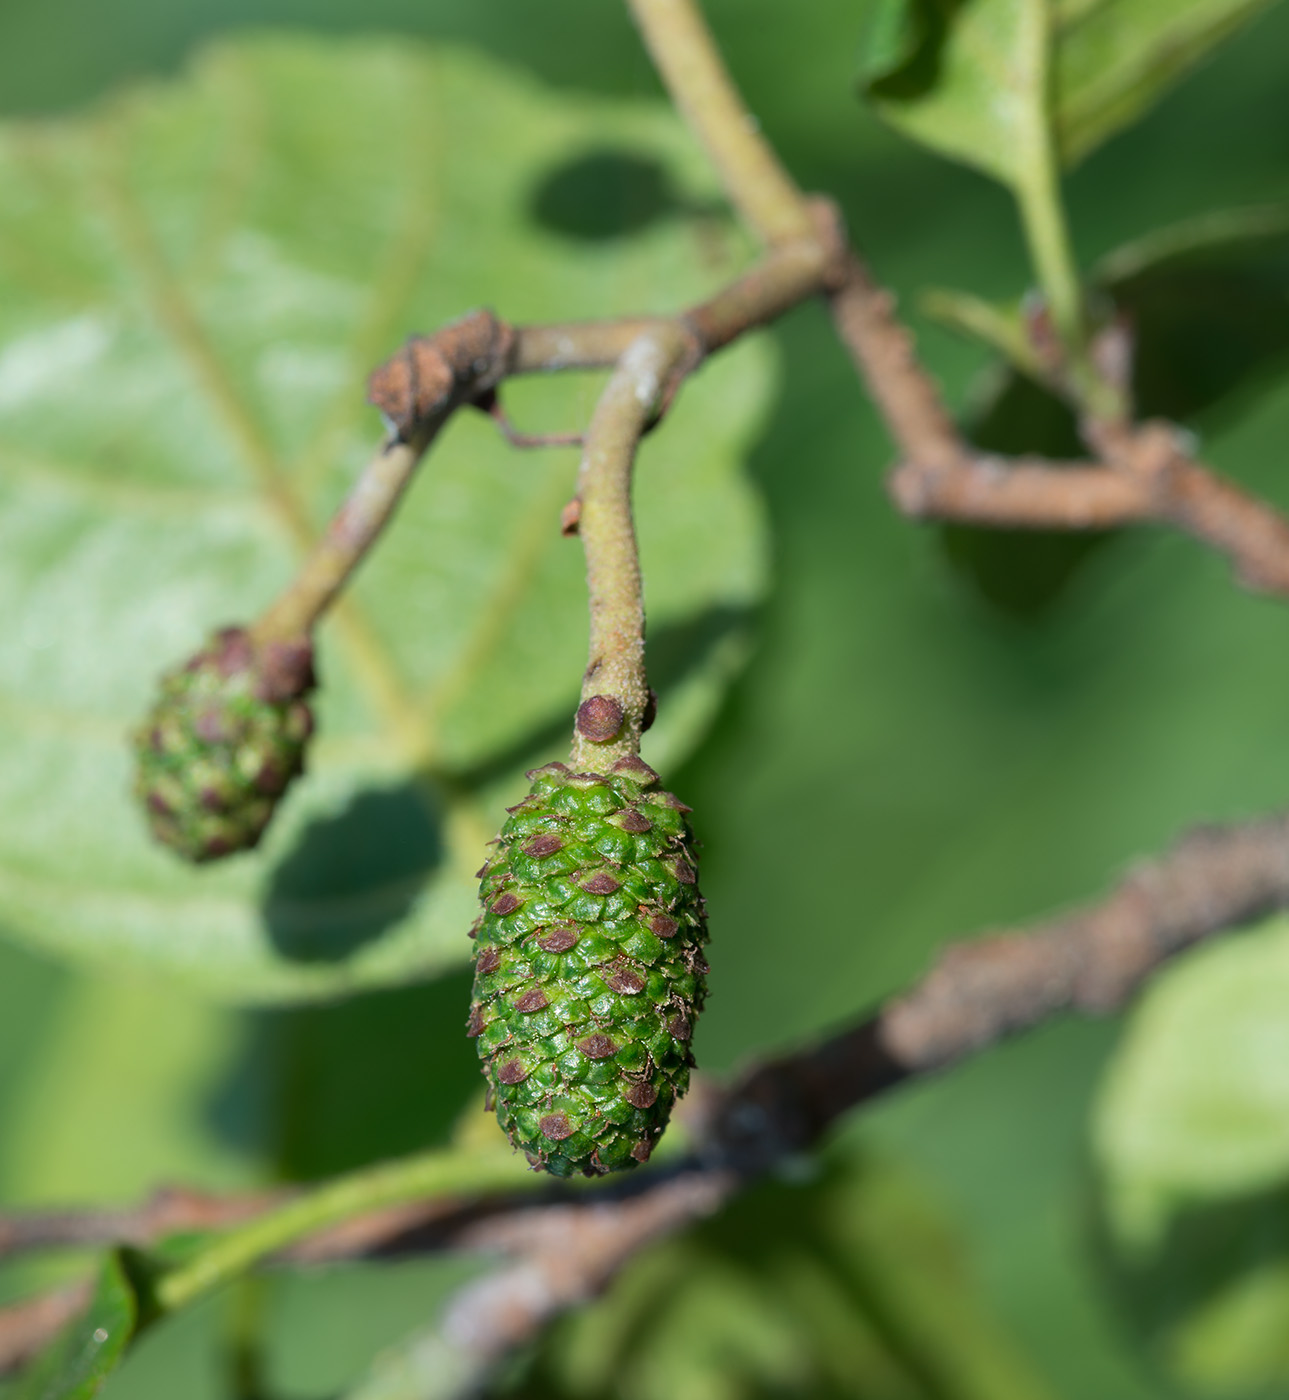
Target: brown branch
(615,692)
(979,992)
(1145,473)
(558,1256)
(27,1328)
(886,359)
(171,1210)
(1149,478)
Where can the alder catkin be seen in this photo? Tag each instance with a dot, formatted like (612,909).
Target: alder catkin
(589,967)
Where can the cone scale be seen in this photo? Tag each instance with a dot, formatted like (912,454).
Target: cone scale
(589,967)
(225,738)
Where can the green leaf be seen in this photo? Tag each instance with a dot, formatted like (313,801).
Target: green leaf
(995,84)
(1195,1106)
(996,324)
(1210,1298)
(1114,59)
(846,1283)
(193,284)
(89,1348)
(1207,301)
(967,79)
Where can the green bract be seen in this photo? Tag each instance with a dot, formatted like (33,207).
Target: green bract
(589,967)
(225,738)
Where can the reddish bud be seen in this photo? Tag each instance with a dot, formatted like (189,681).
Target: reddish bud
(599,718)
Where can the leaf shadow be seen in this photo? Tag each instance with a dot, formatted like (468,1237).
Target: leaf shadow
(353,875)
(608,192)
(1210,1257)
(329,1087)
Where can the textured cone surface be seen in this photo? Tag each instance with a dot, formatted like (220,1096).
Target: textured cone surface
(225,738)
(589,967)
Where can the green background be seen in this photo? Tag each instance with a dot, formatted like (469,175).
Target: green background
(900,764)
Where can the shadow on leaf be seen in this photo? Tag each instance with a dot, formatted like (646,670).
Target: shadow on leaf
(354,875)
(603,194)
(340,1085)
(1210,1302)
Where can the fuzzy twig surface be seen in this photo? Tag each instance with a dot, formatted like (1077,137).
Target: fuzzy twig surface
(615,690)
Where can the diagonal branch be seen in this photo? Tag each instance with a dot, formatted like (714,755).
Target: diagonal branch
(978,993)
(1089,961)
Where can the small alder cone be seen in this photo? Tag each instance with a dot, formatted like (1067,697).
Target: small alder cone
(589,967)
(223,741)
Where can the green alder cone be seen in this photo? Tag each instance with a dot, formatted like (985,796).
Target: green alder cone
(589,967)
(224,740)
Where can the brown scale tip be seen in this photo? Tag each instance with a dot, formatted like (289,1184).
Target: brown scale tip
(622,977)
(597,1047)
(489,960)
(640,1095)
(629,766)
(643,1150)
(534,1000)
(285,670)
(232,651)
(555,766)
(663,925)
(634,821)
(599,718)
(505,904)
(558,940)
(556,1127)
(601,883)
(544,845)
(512,1072)
(211,726)
(474,1026)
(679,1027)
(685,872)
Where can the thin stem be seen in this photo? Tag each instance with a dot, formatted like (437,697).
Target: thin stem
(1047,234)
(352,532)
(615,693)
(417,391)
(883,352)
(681,47)
(373,1188)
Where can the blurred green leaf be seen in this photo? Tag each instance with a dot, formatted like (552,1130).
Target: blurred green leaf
(1196,1103)
(88,1349)
(193,283)
(1210,1297)
(1207,301)
(969,80)
(996,84)
(115,1098)
(846,1285)
(1114,59)
(1000,325)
